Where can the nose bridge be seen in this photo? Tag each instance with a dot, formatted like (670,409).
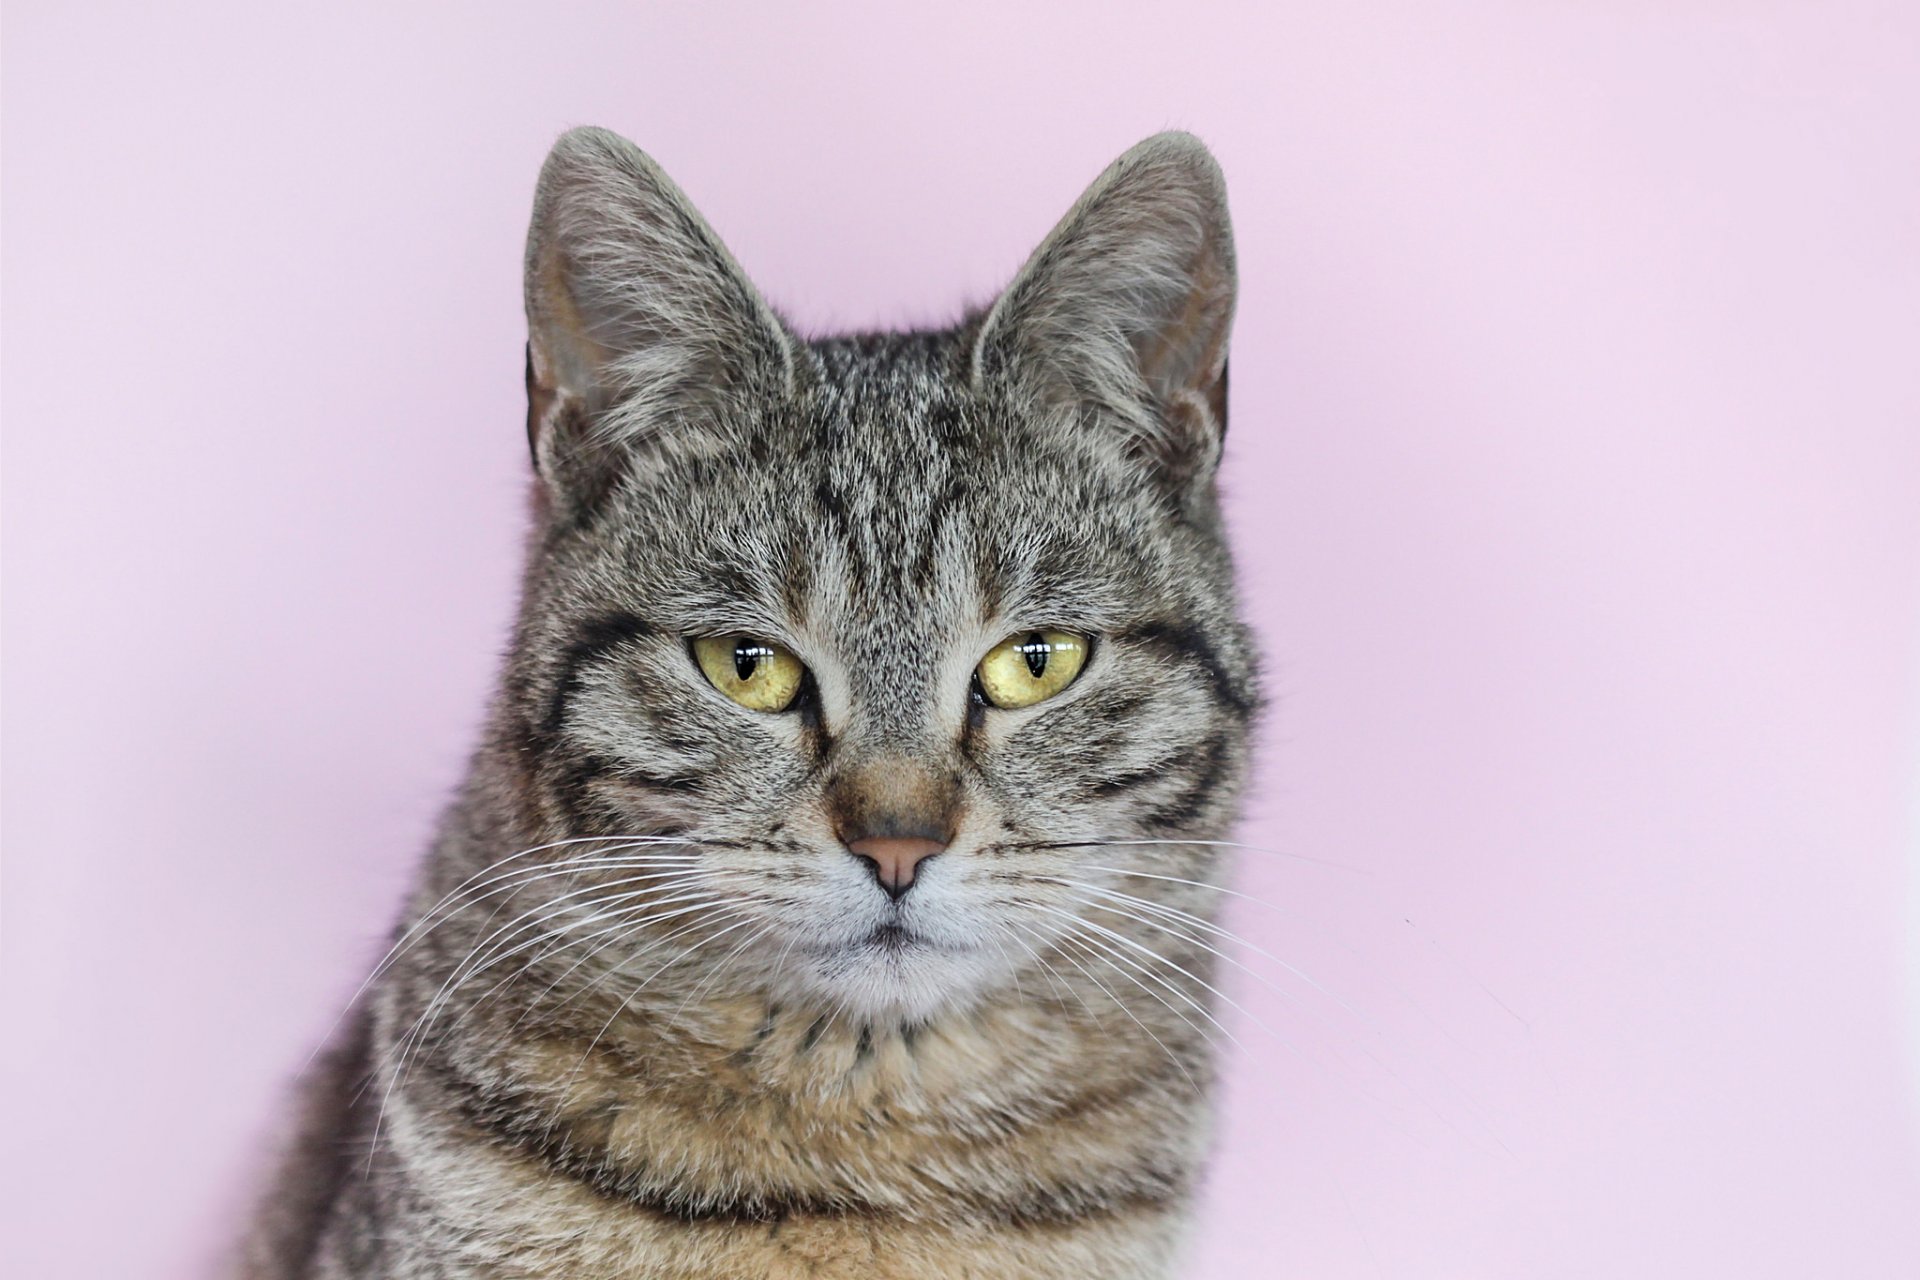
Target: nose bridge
(892,794)
(891,668)
(893,767)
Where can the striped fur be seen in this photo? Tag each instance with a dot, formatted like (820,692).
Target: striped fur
(646,1016)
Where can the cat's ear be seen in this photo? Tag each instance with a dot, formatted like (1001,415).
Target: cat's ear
(1125,309)
(640,323)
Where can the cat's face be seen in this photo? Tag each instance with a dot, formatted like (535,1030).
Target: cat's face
(908,638)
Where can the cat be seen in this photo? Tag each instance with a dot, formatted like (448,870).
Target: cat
(831,892)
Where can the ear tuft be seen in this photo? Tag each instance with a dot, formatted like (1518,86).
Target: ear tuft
(1126,307)
(639,321)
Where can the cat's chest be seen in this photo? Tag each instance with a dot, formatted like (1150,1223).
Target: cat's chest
(814,1151)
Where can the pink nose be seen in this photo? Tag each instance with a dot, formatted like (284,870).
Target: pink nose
(894,858)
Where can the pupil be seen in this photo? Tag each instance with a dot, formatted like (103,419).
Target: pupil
(746,658)
(1036,650)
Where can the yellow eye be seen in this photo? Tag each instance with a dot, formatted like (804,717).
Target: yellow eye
(757,674)
(1031,667)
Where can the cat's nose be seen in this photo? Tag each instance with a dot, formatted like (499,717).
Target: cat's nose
(893,859)
(893,813)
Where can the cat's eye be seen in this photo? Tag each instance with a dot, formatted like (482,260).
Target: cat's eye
(1031,667)
(757,674)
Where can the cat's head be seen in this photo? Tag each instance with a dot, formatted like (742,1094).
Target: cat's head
(901,633)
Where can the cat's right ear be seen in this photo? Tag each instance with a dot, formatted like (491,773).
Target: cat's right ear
(641,326)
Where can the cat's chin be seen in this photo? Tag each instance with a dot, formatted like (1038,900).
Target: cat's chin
(893,975)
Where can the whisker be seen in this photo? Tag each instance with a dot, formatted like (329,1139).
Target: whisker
(426,923)
(476,880)
(1053,975)
(548,909)
(623,927)
(488,952)
(1210,844)
(1398,992)
(679,931)
(525,879)
(539,928)
(1412,1090)
(714,972)
(567,1089)
(1260,978)
(1013,970)
(1123,940)
(1201,884)
(1091,932)
(1209,926)
(1172,1057)
(400,1068)
(507,883)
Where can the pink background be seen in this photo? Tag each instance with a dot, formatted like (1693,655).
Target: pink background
(1575,466)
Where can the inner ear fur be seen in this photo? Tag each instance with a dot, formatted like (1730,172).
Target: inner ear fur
(1126,307)
(641,326)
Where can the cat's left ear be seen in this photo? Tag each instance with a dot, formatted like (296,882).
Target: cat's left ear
(1125,309)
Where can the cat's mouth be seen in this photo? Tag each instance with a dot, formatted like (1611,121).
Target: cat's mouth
(888,967)
(893,936)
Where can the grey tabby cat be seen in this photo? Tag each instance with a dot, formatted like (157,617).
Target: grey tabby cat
(832,893)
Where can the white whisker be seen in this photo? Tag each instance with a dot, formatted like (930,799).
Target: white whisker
(587,1053)
(1089,934)
(1212,844)
(426,922)
(1120,1004)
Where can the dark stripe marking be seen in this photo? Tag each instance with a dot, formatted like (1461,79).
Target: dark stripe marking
(594,639)
(1207,777)
(1186,642)
(524,1126)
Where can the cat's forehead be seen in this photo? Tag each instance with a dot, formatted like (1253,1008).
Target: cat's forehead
(892,486)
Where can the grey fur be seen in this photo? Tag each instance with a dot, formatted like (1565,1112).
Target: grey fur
(1020,1088)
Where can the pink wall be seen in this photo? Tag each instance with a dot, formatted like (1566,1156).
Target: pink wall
(1575,465)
